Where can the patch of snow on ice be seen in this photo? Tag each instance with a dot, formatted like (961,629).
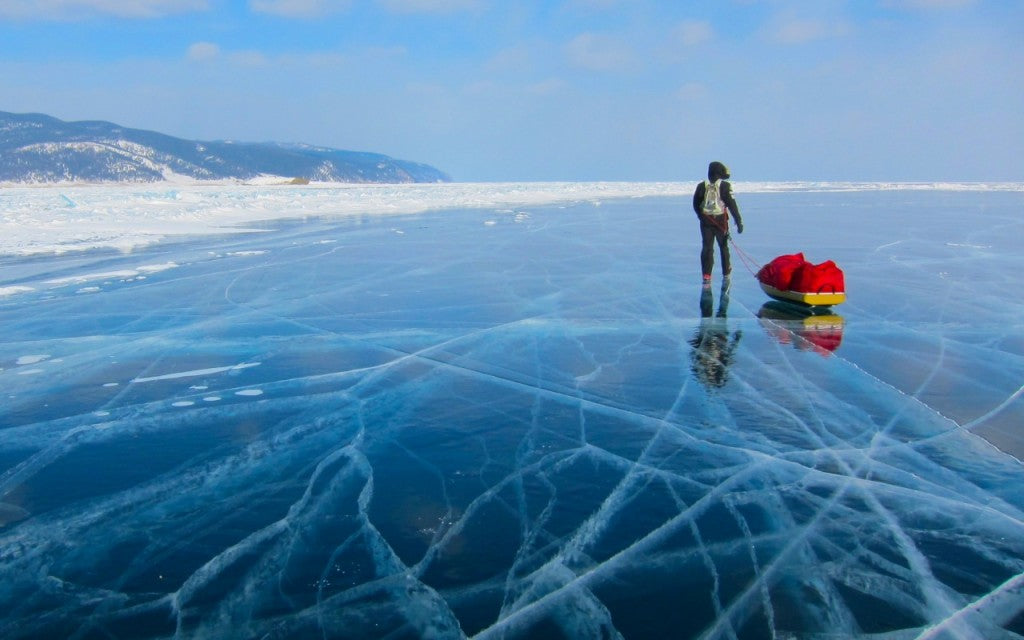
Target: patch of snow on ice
(32,359)
(119,274)
(10,291)
(196,372)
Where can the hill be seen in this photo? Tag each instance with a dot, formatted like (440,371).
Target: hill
(36,148)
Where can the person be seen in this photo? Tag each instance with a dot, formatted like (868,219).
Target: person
(713,202)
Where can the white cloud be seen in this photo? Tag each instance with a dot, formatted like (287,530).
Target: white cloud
(694,32)
(930,4)
(77,9)
(324,59)
(383,54)
(693,92)
(799,31)
(249,58)
(201,51)
(597,4)
(511,59)
(551,86)
(599,52)
(428,6)
(426,90)
(207,52)
(299,8)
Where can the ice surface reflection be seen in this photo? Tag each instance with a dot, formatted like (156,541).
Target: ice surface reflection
(713,345)
(818,329)
(542,427)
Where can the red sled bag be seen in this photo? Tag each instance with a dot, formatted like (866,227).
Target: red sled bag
(779,272)
(817,278)
(829,340)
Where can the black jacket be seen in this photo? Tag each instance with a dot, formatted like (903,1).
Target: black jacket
(717,171)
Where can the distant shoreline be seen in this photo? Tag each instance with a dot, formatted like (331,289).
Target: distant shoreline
(75,217)
(741,186)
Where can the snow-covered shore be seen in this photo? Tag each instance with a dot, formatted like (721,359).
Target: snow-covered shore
(41,219)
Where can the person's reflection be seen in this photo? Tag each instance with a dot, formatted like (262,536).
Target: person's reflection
(713,346)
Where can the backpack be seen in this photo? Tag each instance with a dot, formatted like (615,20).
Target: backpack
(713,205)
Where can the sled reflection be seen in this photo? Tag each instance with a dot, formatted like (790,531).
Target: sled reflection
(713,346)
(805,329)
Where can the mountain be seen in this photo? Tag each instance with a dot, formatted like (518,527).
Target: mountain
(36,148)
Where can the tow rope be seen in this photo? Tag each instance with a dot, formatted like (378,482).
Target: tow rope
(748,261)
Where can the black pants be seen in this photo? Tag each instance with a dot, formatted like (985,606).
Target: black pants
(710,232)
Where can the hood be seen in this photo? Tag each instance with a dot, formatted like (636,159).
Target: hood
(717,171)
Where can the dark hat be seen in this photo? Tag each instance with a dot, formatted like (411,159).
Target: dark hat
(717,171)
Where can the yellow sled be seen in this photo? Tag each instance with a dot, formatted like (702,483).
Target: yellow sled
(809,299)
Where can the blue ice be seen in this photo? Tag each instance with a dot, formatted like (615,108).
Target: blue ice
(526,422)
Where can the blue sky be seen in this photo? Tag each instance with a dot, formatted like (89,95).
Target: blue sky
(495,90)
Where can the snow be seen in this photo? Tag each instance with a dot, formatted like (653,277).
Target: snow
(31,359)
(122,274)
(67,218)
(507,410)
(197,372)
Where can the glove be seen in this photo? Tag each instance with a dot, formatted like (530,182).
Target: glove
(739,227)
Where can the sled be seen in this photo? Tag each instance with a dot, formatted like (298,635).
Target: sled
(807,298)
(791,278)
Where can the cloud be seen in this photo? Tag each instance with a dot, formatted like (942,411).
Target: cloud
(693,32)
(428,6)
(693,92)
(599,52)
(249,58)
(800,31)
(207,52)
(323,59)
(202,51)
(238,60)
(299,8)
(511,59)
(551,86)
(79,9)
(597,4)
(930,4)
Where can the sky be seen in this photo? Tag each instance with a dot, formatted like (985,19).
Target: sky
(575,90)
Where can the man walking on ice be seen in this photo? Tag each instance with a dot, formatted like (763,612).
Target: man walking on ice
(713,202)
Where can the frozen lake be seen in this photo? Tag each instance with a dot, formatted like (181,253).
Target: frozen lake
(520,416)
